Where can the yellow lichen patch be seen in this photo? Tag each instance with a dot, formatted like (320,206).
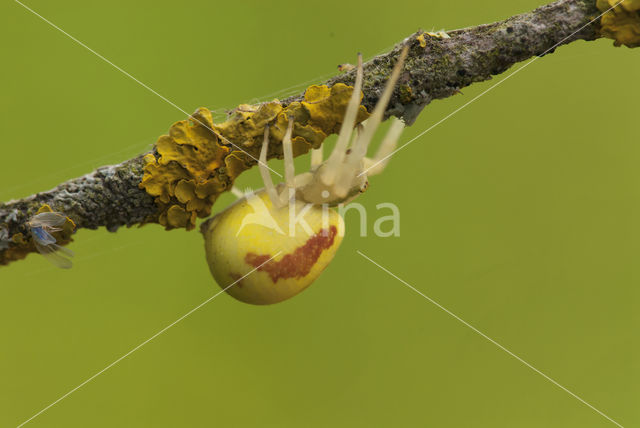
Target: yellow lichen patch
(194,145)
(422,41)
(198,159)
(343,68)
(18,239)
(185,178)
(185,190)
(236,163)
(628,5)
(178,217)
(326,106)
(245,129)
(439,34)
(160,180)
(305,136)
(317,116)
(622,22)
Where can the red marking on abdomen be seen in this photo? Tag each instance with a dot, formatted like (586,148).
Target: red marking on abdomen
(297,264)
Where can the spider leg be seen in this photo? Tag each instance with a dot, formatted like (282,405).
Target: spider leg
(379,162)
(359,149)
(358,130)
(316,158)
(237,192)
(344,172)
(289,168)
(264,170)
(330,172)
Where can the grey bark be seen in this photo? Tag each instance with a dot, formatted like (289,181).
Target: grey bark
(473,54)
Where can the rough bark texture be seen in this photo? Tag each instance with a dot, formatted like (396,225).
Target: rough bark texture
(109,197)
(471,55)
(436,68)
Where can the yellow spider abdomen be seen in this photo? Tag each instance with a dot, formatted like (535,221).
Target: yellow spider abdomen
(287,255)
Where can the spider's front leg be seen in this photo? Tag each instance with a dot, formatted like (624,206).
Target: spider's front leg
(316,158)
(333,165)
(289,168)
(353,167)
(264,171)
(377,164)
(279,200)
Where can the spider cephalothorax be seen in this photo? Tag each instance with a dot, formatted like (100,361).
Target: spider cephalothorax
(291,222)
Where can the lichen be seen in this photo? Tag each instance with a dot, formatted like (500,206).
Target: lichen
(441,34)
(621,22)
(199,159)
(343,68)
(406,94)
(421,40)
(4,238)
(185,178)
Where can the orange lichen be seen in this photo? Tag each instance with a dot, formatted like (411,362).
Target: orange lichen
(198,159)
(18,239)
(245,128)
(185,178)
(438,34)
(343,68)
(326,107)
(319,115)
(422,40)
(622,22)
(422,37)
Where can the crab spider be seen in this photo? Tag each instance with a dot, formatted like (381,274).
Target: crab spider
(292,220)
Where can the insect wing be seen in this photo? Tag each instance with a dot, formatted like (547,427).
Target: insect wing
(54,254)
(48,219)
(67,252)
(42,237)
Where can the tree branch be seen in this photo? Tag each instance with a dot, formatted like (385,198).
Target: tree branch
(436,68)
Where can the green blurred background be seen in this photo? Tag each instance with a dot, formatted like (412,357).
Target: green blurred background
(520,214)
